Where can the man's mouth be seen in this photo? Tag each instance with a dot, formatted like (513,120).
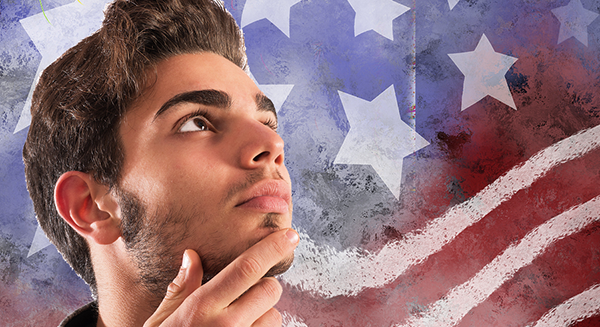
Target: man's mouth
(268,196)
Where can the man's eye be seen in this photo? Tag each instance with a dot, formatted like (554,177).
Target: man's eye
(194,124)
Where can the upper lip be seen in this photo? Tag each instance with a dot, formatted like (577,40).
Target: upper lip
(270,187)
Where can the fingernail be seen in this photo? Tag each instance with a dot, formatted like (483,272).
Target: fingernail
(292,236)
(186,261)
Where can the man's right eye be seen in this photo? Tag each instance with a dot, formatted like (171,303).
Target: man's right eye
(194,124)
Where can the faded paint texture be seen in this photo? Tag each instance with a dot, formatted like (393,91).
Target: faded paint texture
(446,174)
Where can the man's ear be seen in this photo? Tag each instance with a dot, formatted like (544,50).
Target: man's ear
(88,206)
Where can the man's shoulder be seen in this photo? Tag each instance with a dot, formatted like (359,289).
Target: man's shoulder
(86,316)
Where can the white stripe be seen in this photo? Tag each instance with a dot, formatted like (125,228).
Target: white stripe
(575,309)
(327,272)
(289,320)
(460,300)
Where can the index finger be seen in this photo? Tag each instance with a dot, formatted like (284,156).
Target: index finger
(247,269)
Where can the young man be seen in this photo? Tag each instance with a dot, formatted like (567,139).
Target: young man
(155,168)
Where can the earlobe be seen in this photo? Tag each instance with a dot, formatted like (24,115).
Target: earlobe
(88,207)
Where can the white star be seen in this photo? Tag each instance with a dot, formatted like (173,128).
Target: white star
(574,21)
(484,71)
(40,242)
(452,3)
(378,137)
(376,15)
(277,12)
(278,93)
(70,24)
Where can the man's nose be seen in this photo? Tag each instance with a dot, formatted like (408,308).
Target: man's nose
(261,146)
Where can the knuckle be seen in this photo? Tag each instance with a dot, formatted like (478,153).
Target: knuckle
(202,306)
(173,290)
(249,267)
(271,287)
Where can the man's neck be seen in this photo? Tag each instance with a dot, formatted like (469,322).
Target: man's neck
(122,301)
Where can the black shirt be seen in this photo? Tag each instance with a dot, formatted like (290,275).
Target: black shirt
(86,316)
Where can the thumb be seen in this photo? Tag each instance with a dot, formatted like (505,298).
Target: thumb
(187,281)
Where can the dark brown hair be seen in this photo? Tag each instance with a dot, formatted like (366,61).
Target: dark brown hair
(81,97)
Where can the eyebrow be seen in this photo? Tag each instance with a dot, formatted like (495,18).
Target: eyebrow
(263,103)
(213,98)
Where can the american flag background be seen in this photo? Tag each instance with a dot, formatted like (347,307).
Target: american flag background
(444,154)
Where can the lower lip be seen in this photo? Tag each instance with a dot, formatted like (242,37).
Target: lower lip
(267,204)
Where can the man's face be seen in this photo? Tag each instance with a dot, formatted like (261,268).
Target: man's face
(203,168)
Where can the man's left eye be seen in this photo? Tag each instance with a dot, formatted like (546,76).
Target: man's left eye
(194,124)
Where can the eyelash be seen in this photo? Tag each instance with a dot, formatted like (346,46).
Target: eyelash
(270,122)
(198,113)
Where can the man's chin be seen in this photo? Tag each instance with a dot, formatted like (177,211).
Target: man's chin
(278,269)
(281,267)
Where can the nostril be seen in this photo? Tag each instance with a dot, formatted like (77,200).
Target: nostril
(261,156)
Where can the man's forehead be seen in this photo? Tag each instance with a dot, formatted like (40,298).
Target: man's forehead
(206,78)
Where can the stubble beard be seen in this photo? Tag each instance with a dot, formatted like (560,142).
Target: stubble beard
(154,242)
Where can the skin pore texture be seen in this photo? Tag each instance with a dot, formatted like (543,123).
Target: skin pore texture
(204,170)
